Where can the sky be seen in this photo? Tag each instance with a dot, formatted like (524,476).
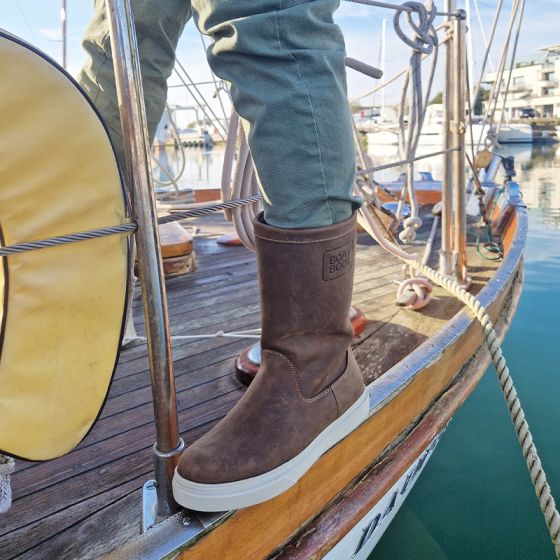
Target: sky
(38,21)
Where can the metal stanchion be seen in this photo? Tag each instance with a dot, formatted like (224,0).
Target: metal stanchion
(458,129)
(445,263)
(169,445)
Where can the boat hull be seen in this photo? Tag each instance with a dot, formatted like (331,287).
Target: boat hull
(360,541)
(340,527)
(410,405)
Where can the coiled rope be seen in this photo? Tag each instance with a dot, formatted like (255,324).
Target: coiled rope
(242,183)
(7,466)
(423,42)
(172,178)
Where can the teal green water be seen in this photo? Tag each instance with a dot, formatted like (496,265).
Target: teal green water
(474,500)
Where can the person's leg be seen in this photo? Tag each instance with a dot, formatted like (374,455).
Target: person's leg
(158,28)
(285,62)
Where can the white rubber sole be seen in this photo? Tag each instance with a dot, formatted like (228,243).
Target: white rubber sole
(251,491)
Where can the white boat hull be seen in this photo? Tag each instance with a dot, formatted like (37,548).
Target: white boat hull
(432,135)
(520,133)
(360,541)
(515,134)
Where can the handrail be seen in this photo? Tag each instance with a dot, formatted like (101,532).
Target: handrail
(169,445)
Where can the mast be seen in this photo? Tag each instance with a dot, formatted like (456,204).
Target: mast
(470,49)
(383,65)
(447,187)
(457,126)
(64,34)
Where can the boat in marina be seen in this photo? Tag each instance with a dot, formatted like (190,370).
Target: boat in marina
(507,133)
(88,489)
(426,188)
(525,133)
(432,130)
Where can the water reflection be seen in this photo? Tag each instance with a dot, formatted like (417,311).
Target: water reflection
(474,499)
(538,171)
(192,168)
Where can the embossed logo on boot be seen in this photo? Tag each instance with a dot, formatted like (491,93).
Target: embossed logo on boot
(337,262)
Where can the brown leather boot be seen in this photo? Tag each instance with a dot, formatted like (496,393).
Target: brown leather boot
(309,393)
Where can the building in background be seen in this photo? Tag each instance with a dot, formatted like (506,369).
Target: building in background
(534,85)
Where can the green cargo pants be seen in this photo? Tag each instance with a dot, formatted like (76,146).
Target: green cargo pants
(284,60)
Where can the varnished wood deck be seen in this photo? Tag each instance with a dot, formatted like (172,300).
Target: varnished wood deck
(89,501)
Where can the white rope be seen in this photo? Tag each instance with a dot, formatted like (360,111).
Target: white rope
(7,467)
(414,292)
(172,179)
(242,183)
(538,476)
(448,34)
(517,415)
(413,103)
(250,333)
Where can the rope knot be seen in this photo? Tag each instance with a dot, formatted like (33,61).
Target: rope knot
(414,293)
(410,225)
(423,40)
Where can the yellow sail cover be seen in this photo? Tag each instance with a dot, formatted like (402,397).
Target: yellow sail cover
(63,307)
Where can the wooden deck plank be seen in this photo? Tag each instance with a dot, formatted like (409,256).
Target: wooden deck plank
(73,506)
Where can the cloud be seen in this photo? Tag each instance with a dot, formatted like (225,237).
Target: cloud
(51,33)
(352,11)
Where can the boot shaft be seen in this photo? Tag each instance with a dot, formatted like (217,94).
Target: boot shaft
(306,279)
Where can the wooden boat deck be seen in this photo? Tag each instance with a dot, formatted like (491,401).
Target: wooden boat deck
(89,502)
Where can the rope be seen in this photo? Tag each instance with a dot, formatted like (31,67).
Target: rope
(530,453)
(241,183)
(7,467)
(251,333)
(423,42)
(127,228)
(172,179)
(402,72)
(405,161)
(64,239)
(517,415)
(407,7)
